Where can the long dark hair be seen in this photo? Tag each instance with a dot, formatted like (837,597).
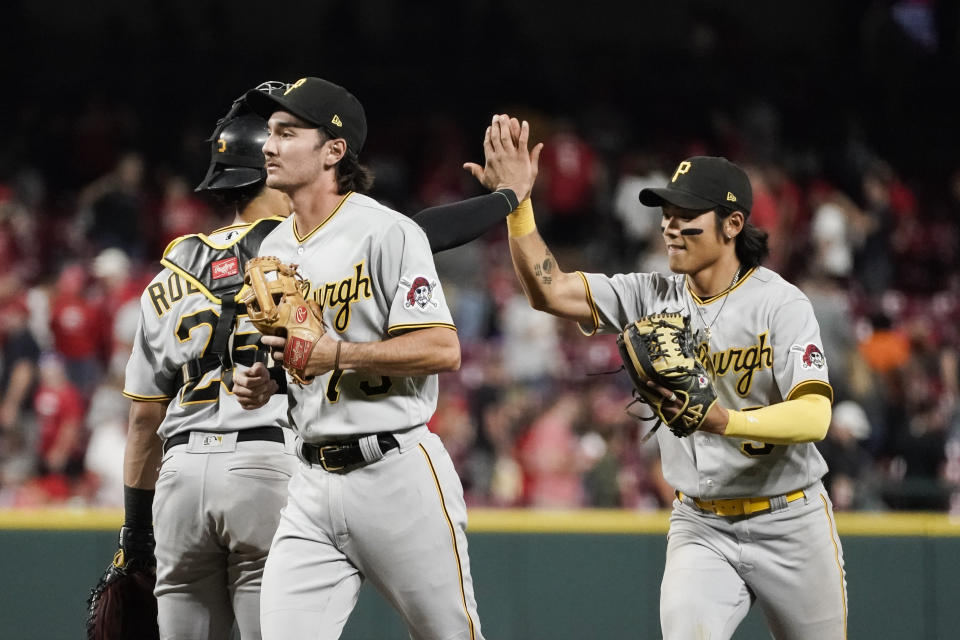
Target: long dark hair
(351,175)
(752,247)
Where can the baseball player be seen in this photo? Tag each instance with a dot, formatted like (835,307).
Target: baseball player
(751,521)
(223,471)
(375,495)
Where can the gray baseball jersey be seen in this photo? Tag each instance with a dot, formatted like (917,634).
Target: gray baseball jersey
(222,486)
(762,343)
(764,347)
(177,320)
(371,271)
(400,520)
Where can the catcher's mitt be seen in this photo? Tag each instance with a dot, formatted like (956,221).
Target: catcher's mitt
(660,348)
(122,605)
(276,305)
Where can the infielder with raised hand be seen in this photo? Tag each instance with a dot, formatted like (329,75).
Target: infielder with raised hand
(376,495)
(752,521)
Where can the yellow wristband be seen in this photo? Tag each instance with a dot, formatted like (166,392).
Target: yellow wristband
(521,221)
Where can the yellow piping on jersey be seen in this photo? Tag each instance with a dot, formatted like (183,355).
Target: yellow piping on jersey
(139,398)
(704,301)
(594,314)
(296,233)
(834,534)
(196,283)
(453,539)
(207,241)
(403,328)
(811,386)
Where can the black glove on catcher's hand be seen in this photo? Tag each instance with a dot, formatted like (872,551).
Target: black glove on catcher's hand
(660,348)
(122,605)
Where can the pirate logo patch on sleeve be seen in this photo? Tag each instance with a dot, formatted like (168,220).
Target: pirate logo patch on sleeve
(811,356)
(419,294)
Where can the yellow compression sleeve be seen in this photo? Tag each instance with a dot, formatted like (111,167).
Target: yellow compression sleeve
(803,419)
(521,221)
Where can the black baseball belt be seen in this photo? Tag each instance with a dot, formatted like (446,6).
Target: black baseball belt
(339,455)
(269,434)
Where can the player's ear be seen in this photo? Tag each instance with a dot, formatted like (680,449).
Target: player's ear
(336,150)
(733,224)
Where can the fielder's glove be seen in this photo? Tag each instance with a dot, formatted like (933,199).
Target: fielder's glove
(660,348)
(274,297)
(122,605)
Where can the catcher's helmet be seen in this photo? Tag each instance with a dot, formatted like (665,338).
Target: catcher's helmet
(236,147)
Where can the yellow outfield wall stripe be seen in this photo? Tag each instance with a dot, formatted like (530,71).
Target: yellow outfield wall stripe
(79,519)
(585,521)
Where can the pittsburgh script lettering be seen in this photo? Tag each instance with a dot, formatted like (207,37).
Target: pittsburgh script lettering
(343,293)
(740,361)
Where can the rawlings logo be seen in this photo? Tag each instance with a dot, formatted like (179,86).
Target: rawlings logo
(297,353)
(301,314)
(224,268)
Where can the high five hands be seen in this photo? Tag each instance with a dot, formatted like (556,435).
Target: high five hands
(508,163)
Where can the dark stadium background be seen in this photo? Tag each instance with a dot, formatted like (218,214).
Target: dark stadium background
(834,69)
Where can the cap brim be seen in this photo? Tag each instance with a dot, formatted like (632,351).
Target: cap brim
(230,178)
(264,104)
(657,196)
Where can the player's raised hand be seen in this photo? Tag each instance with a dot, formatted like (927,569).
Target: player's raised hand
(253,387)
(508,162)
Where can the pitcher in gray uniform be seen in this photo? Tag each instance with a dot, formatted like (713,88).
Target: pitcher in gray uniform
(376,496)
(751,521)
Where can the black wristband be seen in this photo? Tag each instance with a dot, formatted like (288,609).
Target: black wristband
(511,197)
(137,508)
(278,375)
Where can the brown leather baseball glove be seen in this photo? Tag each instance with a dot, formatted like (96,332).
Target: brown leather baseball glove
(274,295)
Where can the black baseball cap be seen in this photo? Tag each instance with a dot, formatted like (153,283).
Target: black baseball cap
(703,182)
(322,104)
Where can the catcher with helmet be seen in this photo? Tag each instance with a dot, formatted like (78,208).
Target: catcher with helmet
(188,436)
(718,349)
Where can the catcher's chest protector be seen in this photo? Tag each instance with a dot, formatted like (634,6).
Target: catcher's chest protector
(217,270)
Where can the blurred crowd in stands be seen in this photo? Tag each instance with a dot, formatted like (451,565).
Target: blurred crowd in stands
(536,416)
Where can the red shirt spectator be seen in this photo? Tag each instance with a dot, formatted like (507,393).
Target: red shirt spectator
(74,320)
(60,409)
(569,167)
(181,212)
(551,459)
